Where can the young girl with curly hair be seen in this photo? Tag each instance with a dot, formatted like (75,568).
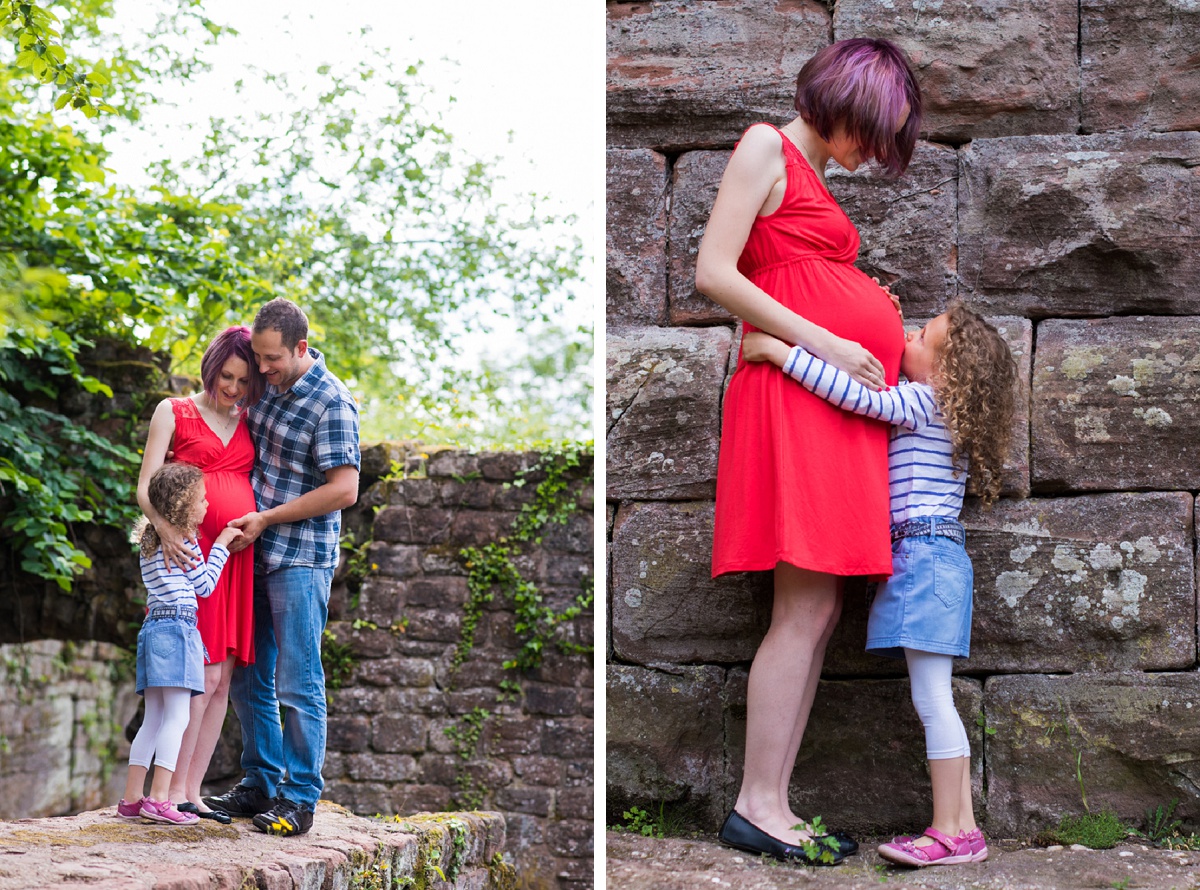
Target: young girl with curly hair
(953,415)
(170,656)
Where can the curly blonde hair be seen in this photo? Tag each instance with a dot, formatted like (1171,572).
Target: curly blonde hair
(172,492)
(975,387)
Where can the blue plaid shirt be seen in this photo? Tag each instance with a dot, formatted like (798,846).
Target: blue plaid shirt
(298,435)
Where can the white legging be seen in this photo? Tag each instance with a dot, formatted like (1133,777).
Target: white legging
(933,698)
(162,729)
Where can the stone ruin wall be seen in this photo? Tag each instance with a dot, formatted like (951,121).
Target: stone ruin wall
(68,698)
(1056,189)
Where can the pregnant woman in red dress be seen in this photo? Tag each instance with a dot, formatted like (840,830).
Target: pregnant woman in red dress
(208,430)
(802,487)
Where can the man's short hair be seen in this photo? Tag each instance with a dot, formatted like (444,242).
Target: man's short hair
(283,316)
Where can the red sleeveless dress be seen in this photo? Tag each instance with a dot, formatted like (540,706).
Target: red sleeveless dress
(225,619)
(798,480)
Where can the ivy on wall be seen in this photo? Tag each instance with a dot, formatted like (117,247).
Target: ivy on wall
(55,473)
(492,570)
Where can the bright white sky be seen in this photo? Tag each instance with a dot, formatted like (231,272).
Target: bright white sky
(535,70)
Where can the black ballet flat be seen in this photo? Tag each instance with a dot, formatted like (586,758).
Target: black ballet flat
(742,835)
(846,845)
(216,815)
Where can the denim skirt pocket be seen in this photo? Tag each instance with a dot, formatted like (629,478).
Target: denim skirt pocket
(926,604)
(170,654)
(952,576)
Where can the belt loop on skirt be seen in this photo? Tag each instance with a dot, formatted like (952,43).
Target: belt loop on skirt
(938,526)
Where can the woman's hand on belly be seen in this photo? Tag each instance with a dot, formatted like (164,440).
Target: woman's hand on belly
(855,360)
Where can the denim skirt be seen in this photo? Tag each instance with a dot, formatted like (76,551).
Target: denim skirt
(170,653)
(926,603)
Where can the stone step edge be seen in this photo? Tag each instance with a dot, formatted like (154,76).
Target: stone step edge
(442,850)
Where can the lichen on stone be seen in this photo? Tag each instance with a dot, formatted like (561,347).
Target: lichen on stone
(1079,362)
(1011,586)
(1124,386)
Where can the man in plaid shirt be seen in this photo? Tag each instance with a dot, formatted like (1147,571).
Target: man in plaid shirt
(305,431)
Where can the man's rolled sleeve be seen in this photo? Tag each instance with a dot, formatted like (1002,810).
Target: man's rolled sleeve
(336,440)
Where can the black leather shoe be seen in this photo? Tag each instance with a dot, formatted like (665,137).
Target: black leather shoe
(285,818)
(216,815)
(742,835)
(241,800)
(846,845)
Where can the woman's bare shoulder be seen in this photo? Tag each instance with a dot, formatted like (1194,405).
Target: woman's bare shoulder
(164,413)
(761,137)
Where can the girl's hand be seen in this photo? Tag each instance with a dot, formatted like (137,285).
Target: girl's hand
(228,535)
(175,550)
(891,296)
(856,361)
(760,347)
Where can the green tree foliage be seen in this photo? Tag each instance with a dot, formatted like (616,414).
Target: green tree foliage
(38,38)
(399,248)
(353,202)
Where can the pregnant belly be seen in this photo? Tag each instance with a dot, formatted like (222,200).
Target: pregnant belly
(229,496)
(842,299)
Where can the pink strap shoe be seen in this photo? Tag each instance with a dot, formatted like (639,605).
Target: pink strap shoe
(127,810)
(943,851)
(979,850)
(164,811)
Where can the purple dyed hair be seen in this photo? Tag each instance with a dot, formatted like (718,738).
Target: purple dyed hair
(863,84)
(233,342)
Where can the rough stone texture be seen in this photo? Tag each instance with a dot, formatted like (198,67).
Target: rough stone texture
(663,397)
(1133,738)
(1103,389)
(1081,225)
(694,74)
(62,718)
(863,764)
(987,68)
(1018,334)
(665,740)
(342,850)
(636,237)
(908,226)
(1099,582)
(1139,65)
(666,606)
(635,862)
(694,181)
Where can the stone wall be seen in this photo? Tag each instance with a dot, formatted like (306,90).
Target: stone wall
(408,730)
(388,749)
(62,720)
(1056,190)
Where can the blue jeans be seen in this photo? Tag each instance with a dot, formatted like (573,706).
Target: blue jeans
(285,759)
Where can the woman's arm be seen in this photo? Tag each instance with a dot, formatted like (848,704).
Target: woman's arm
(755,172)
(162,428)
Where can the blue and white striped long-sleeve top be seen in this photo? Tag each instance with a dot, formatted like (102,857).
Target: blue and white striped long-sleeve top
(921,467)
(176,588)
